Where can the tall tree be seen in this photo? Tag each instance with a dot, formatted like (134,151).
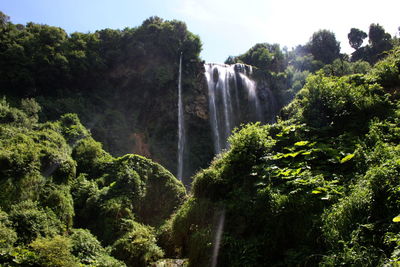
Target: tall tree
(380,42)
(377,34)
(356,38)
(324,46)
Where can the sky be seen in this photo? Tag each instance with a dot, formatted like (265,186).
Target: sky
(226,27)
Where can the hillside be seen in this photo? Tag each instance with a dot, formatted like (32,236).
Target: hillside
(319,187)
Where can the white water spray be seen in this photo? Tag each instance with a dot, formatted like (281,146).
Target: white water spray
(217,241)
(181,125)
(228,85)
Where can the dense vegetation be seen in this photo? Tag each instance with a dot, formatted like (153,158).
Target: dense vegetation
(65,201)
(121,83)
(283,72)
(320,186)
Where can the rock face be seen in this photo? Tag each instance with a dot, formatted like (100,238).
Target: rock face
(140,146)
(149,115)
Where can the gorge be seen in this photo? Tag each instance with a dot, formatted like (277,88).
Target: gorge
(283,157)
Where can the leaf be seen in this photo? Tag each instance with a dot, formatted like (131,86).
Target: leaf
(297,171)
(285,173)
(396,219)
(277,156)
(347,158)
(316,192)
(294,154)
(301,143)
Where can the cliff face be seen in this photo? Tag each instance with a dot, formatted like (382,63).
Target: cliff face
(147,109)
(155,120)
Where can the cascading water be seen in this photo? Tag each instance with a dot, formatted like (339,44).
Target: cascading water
(232,99)
(181,125)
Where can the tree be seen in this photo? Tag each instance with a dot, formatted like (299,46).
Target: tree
(356,38)
(324,46)
(4,19)
(377,34)
(380,42)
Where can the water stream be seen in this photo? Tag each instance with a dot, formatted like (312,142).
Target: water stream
(181,124)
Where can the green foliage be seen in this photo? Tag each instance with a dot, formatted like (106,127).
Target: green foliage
(54,251)
(109,78)
(130,187)
(89,156)
(59,199)
(72,129)
(193,216)
(137,247)
(31,221)
(387,71)
(318,188)
(263,56)
(340,67)
(29,157)
(9,115)
(7,234)
(324,47)
(379,43)
(89,251)
(43,196)
(334,102)
(31,108)
(356,37)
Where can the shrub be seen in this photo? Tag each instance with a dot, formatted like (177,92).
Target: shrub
(7,234)
(88,250)
(54,252)
(138,247)
(89,155)
(342,103)
(31,221)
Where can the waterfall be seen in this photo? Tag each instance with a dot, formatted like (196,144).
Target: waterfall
(233,99)
(181,125)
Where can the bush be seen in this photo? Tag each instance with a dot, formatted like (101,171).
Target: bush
(12,116)
(31,221)
(54,252)
(345,103)
(138,247)
(72,129)
(89,155)
(88,250)
(7,234)
(59,199)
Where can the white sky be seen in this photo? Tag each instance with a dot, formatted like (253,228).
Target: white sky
(230,27)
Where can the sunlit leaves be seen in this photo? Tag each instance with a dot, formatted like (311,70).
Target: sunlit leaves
(347,158)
